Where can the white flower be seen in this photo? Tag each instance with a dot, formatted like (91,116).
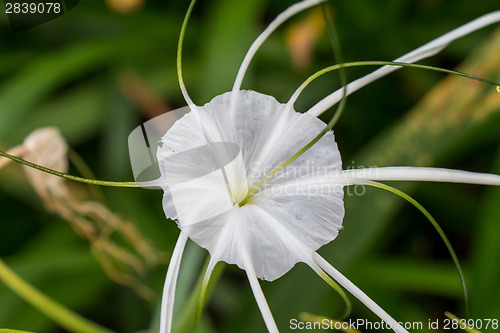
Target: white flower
(215,163)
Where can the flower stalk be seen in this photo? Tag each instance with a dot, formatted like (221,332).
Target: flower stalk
(67,319)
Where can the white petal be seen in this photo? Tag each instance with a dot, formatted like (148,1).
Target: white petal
(286,213)
(289,12)
(425,51)
(356,292)
(199,176)
(167,301)
(268,133)
(276,237)
(259,297)
(355,176)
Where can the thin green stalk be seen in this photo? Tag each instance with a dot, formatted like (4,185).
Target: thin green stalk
(179,51)
(195,304)
(201,290)
(69,177)
(55,311)
(83,168)
(337,54)
(199,309)
(436,226)
(201,303)
(340,291)
(461,323)
(391,63)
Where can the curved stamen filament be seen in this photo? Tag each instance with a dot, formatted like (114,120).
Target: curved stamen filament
(336,287)
(332,68)
(67,176)
(188,99)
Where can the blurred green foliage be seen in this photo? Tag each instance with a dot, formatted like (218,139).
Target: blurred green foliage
(70,73)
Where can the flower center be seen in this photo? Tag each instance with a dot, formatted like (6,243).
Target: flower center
(240,196)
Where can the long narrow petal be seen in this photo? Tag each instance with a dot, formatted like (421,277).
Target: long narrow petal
(167,301)
(356,176)
(358,293)
(259,297)
(262,303)
(222,240)
(425,51)
(289,12)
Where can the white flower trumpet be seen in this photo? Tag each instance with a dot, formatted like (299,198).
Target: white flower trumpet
(241,182)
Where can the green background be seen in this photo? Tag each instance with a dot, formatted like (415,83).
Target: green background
(68,73)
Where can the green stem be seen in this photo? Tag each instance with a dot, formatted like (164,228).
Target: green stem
(199,308)
(340,291)
(461,323)
(69,177)
(86,172)
(179,51)
(192,308)
(55,311)
(337,54)
(390,63)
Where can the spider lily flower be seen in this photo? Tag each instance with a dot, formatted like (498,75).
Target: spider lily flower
(239,182)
